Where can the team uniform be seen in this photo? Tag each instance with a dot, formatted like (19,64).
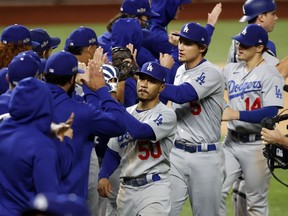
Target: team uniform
(261,87)
(197,160)
(144,180)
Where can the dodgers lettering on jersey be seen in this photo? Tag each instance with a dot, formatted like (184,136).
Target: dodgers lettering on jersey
(261,87)
(140,157)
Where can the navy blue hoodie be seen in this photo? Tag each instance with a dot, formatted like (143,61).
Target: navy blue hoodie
(88,123)
(28,157)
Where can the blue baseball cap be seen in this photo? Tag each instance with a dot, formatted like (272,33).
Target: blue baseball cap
(137,8)
(252,35)
(253,8)
(22,66)
(81,37)
(58,205)
(195,32)
(4,85)
(153,70)
(16,33)
(62,63)
(43,38)
(36,57)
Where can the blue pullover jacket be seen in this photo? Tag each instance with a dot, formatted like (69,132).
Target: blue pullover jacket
(28,158)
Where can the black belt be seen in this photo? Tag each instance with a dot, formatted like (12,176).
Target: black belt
(197,148)
(245,137)
(140,180)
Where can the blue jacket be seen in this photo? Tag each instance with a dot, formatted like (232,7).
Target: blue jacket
(28,157)
(4,101)
(88,122)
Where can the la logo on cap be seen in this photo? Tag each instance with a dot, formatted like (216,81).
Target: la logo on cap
(186,29)
(149,67)
(244,32)
(141,10)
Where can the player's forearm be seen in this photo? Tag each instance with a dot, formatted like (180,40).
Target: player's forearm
(110,163)
(180,94)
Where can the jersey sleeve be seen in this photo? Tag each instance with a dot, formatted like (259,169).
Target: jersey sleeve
(207,81)
(273,88)
(162,122)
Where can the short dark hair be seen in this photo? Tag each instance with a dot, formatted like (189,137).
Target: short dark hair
(75,50)
(60,80)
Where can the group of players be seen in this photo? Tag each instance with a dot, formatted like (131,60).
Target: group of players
(166,145)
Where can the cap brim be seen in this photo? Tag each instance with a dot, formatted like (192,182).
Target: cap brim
(242,40)
(154,14)
(35,44)
(182,35)
(245,18)
(55,41)
(148,74)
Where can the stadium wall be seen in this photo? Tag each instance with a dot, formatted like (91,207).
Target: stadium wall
(59,13)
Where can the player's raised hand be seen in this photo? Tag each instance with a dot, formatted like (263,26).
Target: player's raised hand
(214,15)
(166,60)
(96,78)
(99,57)
(104,187)
(84,75)
(173,39)
(130,46)
(62,130)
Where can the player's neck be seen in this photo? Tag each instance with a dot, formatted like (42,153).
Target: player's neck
(253,63)
(146,105)
(193,63)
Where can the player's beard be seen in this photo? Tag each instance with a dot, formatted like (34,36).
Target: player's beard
(71,90)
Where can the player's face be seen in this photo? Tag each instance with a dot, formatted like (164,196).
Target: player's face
(189,51)
(268,20)
(148,88)
(245,53)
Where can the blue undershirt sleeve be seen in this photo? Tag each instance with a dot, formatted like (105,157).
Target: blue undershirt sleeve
(180,93)
(110,163)
(256,116)
(210,29)
(137,129)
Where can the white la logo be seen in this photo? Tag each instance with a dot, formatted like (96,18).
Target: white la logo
(149,67)
(186,29)
(244,32)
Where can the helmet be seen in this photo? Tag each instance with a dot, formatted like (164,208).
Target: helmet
(252,8)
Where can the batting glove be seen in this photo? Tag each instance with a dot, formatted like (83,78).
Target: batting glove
(111,75)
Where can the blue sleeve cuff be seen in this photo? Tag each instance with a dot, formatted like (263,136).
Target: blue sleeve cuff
(109,164)
(210,29)
(256,116)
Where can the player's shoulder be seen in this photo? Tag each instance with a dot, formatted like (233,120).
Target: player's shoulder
(130,109)
(166,110)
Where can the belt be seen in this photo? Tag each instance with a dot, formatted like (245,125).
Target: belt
(196,148)
(245,137)
(141,180)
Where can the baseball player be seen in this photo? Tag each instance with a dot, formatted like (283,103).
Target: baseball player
(143,152)
(262,12)
(255,92)
(47,43)
(197,160)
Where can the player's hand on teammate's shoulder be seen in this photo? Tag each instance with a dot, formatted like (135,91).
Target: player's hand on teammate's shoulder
(104,187)
(63,129)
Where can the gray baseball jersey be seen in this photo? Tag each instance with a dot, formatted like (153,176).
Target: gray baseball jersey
(261,87)
(199,121)
(145,156)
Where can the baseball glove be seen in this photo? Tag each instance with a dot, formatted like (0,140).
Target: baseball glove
(122,59)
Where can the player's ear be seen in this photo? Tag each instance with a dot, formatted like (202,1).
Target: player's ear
(162,87)
(260,48)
